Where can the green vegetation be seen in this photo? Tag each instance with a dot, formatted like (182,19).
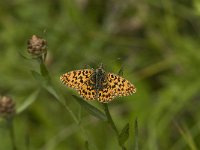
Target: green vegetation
(154,44)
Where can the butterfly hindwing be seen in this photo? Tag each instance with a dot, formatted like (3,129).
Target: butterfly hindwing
(106,94)
(87,92)
(120,86)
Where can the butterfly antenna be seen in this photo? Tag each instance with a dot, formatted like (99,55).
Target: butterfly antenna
(101,65)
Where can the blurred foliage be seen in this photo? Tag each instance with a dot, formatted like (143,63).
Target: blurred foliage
(156,42)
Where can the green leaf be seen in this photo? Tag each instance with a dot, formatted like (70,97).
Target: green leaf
(185,132)
(60,99)
(91,109)
(23,56)
(41,79)
(37,76)
(28,102)
(124,135)
(52,91)
(44,71)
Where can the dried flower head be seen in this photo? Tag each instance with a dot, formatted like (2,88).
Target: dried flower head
(7,107)
(37,46)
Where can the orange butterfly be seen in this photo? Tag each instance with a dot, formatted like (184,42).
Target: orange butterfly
(97,84)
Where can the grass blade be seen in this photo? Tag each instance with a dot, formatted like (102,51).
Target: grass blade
(124,135)
(136,147)
(28,102)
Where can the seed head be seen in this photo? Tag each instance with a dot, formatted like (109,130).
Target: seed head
(37,46)
(7,107)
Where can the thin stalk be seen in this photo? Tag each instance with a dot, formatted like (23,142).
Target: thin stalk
(12,133)
(111,122)
(136,135)
(59,97)
(62,102)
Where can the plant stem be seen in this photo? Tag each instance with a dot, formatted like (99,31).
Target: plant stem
(136,135)
(12,133)
(111,122)
(50,88)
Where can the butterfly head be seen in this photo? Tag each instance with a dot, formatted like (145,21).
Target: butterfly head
(99,72)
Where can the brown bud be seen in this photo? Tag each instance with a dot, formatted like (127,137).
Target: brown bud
(7,107)
(36,46)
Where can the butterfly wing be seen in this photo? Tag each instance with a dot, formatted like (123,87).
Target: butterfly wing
(76,79)
(116,86)
(106,95)
(120,86)
(81,81)
(87,92)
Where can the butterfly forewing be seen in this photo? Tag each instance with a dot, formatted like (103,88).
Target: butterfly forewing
(76,79)
(120,86)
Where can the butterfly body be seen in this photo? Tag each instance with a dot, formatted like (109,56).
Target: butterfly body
(98,79)
(97,84)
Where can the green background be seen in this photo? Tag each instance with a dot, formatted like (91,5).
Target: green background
(157,43)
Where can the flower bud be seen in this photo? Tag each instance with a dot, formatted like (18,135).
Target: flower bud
(7,107)
(37,46)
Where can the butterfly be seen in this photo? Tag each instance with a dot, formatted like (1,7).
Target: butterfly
(97,84)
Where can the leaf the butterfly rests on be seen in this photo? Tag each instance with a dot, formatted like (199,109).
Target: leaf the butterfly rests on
(97,84)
